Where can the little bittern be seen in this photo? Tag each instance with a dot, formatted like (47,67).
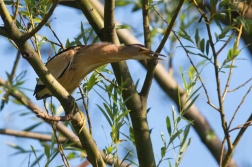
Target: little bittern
(70,66)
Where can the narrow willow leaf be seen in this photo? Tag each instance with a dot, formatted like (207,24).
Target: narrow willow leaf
(196,37)
(174,136)
(168,125)
(229,66)
(105,114)
(202,45)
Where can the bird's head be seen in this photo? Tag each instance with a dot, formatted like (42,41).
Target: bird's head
(139,52)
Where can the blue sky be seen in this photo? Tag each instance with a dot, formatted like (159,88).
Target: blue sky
(161,106)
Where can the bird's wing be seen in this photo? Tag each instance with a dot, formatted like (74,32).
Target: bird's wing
(57,66)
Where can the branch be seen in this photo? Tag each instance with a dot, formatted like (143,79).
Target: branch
(60,127)
(42,137)
(152,64)
(237,139)
(134,103)
(67,101)
(232,64)
(242,101)
(3,32)
(217,78)
(169,28)
(28,35)
(147,42)
(170,86)
(31,135)
(109,33)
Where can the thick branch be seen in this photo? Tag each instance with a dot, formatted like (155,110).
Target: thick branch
(67,101)
(60,127)
(134,102)
(170,86)
(3,32)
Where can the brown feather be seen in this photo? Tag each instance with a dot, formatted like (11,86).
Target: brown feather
(71,66)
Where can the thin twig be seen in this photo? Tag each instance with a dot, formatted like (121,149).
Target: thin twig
(60,148)
(240,86)
(146,23)
(237,139)
(246,124)
(26,29)
(112,83)
(53,43)
(238,107)
(152,64)
(28,35)
(198,74)
(233,61)
(226,43)
(16,10)
(33,26)
(217,78)
(170,68)
(169,28)
(14,68)
(222,151)
(31,135)
(86,109)
(61,45)
(147,42)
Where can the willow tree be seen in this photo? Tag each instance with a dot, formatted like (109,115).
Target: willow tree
(208,37)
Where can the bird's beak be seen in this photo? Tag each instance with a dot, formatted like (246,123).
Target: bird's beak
(152,53)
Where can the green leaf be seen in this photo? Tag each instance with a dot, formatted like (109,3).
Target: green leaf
(163,138)
(37,158)
(218,24)
(186,132)
(132,137)
(229,66)
(207,47)
(183,78)
(184,35)
(225,31)
(105,114)
(223,3)
(123,114)
(83,34)
(163,151)
(168,125)
(91,82)
(202,45)
(192,102)
(124,26)
(232,54)
(196,37)
(174,136)
(137,6)
(47,151)
(193,94)
(110,149)
(24,13)
(32,127)
(37,20)
(122,3)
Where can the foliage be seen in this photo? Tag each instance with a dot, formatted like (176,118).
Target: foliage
(197,30)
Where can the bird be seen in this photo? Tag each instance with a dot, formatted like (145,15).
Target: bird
(71,65)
